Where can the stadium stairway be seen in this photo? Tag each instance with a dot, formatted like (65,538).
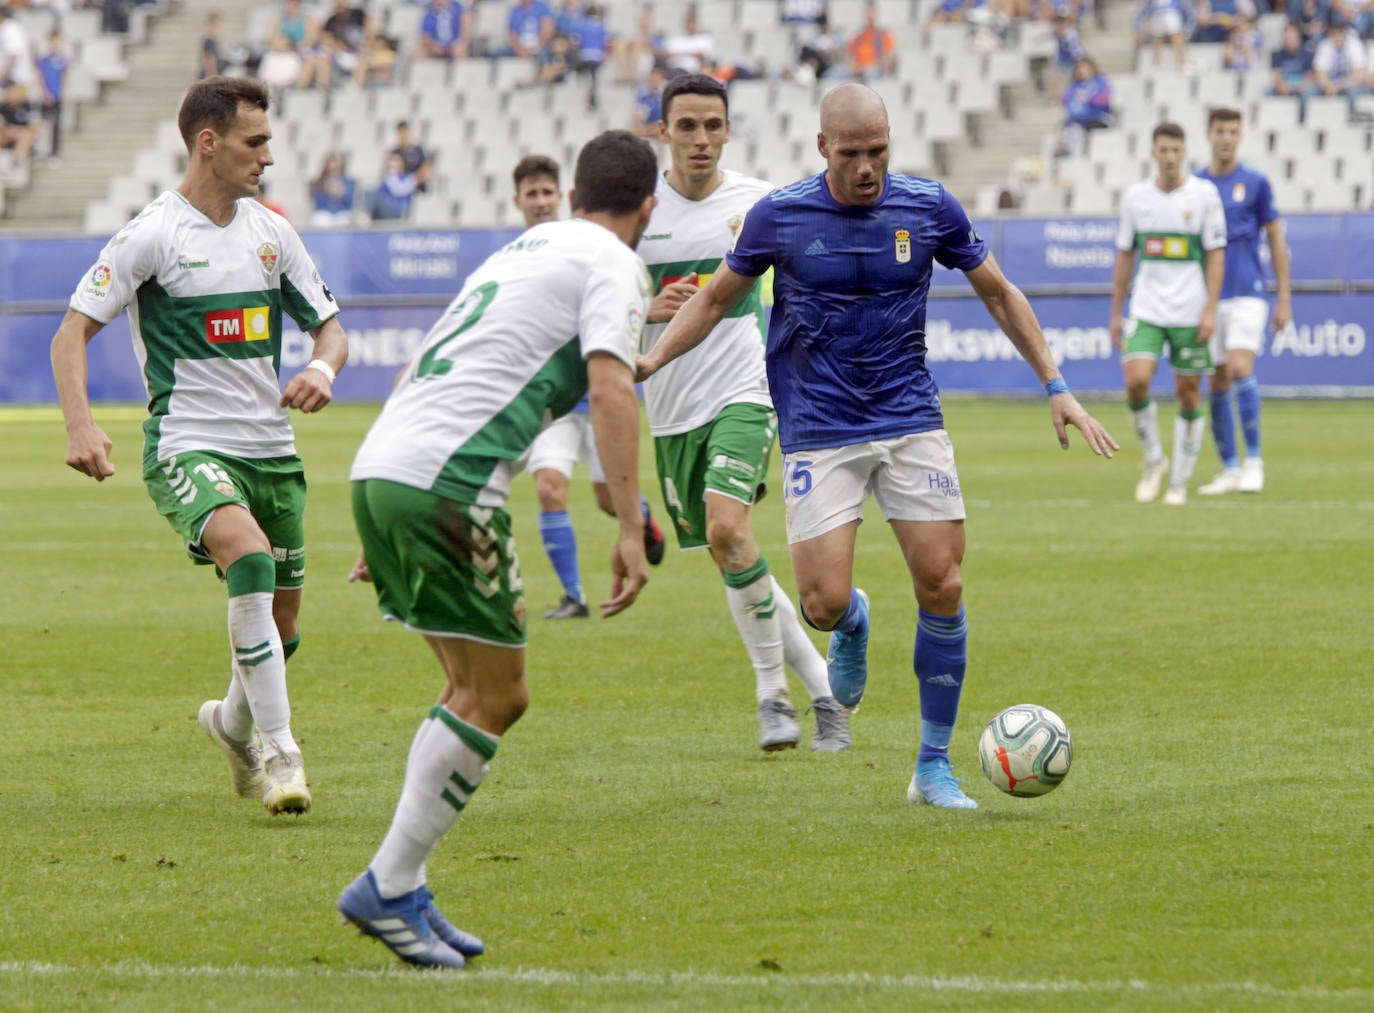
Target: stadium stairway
(104,136)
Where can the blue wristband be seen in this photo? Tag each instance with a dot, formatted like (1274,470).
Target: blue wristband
(1056,386)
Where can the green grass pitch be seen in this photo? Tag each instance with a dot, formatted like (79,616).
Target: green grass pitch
(632,848)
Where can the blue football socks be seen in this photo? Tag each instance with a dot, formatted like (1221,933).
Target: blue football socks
(1248,402)
(940,661)
(560,542)
(1224,428)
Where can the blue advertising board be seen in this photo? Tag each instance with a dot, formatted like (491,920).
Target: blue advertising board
(392,285)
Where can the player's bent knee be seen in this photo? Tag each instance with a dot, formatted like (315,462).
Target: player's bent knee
(822,608)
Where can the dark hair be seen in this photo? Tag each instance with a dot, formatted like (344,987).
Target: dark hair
(1223,114)
(215,102)
(615,172)
(693,84)
(1167,129)
(535,165)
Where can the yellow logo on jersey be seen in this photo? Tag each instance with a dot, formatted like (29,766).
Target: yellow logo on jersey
(253,323)
(903,243)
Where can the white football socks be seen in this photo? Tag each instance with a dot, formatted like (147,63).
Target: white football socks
(448,760)
(798,650)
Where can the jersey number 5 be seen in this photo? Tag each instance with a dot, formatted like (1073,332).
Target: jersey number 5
(470,310)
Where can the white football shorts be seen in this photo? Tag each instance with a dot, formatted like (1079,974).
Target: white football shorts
(1241,324)
(912,478)
(567,440)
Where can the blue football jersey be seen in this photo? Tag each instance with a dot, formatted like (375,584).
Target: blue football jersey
(1248,201)
(846,345)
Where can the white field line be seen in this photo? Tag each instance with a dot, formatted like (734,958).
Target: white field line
(134,972)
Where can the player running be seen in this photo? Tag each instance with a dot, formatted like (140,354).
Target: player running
(710,414)
(552,316)
(570,439)
(206,273)
(858,409)
(1176,226)
(1248,201)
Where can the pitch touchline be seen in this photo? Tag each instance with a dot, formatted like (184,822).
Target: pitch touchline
(536,976)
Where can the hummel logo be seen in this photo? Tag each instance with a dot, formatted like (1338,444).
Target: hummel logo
(943,679)
(816,248)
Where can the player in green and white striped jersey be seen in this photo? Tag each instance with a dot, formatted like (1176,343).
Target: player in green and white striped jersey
(553,315)
(711,415)
(1176,225)
(206,273)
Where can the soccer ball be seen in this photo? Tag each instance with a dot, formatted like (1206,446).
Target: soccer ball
(1026,750)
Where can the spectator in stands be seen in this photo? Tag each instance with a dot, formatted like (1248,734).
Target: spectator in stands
(873,52)
(391,199)
(1161,20)
(413,155)
(281,66)
(1216,18)
(593,47)
(554,62)
(648,103)
(529,29)
(685,52)
(333,193)
(1243,46)
(212,58)
(820,54)
(377,59)
(299,27)
(345,32)
(1340,63)
(445,31)
(16,53)
(1087,105)
(636,54)
(1310,17)
(1292,66)
(804,12)
(568,21)
(19,127)
(1068,50)
(949,12)
(52,75)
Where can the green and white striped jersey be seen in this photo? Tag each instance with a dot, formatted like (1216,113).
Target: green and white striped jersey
(688,237)
(205,307)
(1170,232)
(505,359)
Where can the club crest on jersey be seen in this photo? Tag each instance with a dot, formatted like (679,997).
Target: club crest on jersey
(1238,193)
(902,240)
(267,254)
(734,224)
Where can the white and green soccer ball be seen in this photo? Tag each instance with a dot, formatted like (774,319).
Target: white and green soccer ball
(1026,750)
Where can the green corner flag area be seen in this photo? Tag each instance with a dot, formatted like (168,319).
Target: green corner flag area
(1212,846)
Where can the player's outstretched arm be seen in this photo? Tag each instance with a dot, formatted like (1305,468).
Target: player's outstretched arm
(1012,311)
(313,387)
(615,421)
(88,448)
(696,319)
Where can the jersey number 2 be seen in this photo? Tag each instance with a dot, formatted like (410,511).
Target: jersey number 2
(470,309)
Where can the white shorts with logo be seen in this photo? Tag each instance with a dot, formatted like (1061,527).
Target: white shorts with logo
(1240,324)
(1165,23)
(912,478)
(567,440)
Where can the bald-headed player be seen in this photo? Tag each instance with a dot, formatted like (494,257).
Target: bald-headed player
(858,410)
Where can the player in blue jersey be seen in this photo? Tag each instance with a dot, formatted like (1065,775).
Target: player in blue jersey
(858,409)
(1248,200)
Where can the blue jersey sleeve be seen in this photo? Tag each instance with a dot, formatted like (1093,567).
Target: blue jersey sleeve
(960,247)
(755,247)
(1264,203)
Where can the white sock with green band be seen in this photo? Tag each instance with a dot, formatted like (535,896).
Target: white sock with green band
(798,650)
(443,772)
(258,657)
(754,606)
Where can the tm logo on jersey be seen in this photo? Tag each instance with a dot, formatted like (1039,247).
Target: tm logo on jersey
(223,327)
(1167,247)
